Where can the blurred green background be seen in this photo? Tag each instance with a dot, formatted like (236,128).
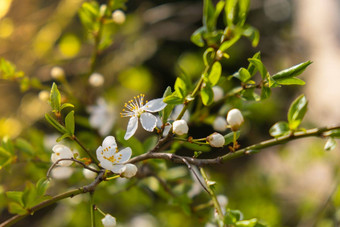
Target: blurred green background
(293,185)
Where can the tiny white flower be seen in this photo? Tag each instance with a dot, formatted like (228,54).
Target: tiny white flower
(44,96)
(216,140)
(96,80)
(235,119)
(128,171)
(220,124)
(136,109)
(62,172)
(109,156)
(218,93)
(59,152)
(180,127)
(88,174)
(109,221)
(118,17)
(57,73)
(102,116)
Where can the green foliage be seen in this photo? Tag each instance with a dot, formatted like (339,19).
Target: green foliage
(287,76)
(55,99)
(297,111)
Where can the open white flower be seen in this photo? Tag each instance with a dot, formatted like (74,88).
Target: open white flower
(102,116)
(109,221)
(59,152)
(109,156)
(136,109)
(62,172)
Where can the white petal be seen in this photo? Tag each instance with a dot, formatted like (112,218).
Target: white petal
(109,141)
(100,153)
(148,121)
(124,155)
(116,168)
(106,164)
(131,128)
(154,105)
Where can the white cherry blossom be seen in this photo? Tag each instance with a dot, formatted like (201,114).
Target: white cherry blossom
(128,171)
(220,124)
(216,140)
(136,109)
(180,127)
(235,119)
(118,17)
(102,116)
(62,172)
(59,152)
(109,156)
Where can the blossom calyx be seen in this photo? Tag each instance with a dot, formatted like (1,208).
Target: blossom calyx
(235,119)
(216,140)
(129,171)
(180,127)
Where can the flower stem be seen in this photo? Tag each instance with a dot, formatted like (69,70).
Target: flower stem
(86,150)
(213,198)
(92,208)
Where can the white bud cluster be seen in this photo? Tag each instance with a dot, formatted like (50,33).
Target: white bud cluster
(57,73)
(216,140)
(235,119)
(96,80)
(180,127)
(129,171)
(118,17)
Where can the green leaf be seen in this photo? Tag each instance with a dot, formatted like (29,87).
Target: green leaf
(15,208)
(253,35)
(259,66)
(290,81)
(29,196)
(55,98)
(55,124)
(25,146)
(207,95)
(89,14)
(66,105)
(330,144)
(232,216)
(197,147)
(249,94)
(215,73)
(243,75)
(333,133)
(249,223)
(16,196)
(279,129)
(180,87)
(69,122)
(229,138)
(265,92)
(174,99)
(297,111)
(197,37)
(150,143)
(165,113)
(252,69)
(66,135)
(291,72)
(208,15)
(42,186)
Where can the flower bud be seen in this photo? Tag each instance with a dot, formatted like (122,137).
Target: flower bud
(88,174)
(129,170)
(235,119)
(180,127)
(219,55)
(218,93)
(220,124)
(44,96)
(96,80)
(109,221)
(216,140)
(57,73)
(118,17)
(102,10)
